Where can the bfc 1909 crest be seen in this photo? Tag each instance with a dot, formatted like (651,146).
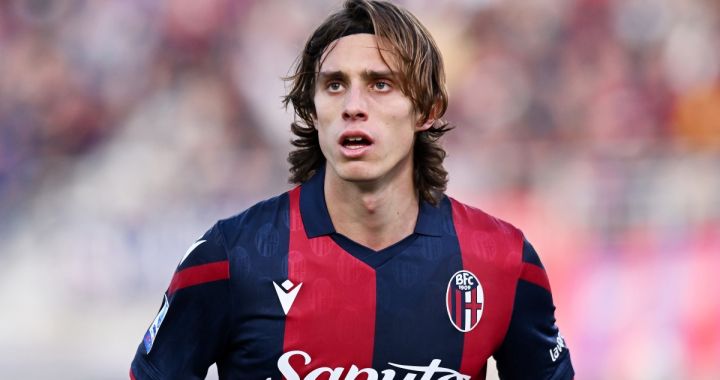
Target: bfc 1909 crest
(464,300)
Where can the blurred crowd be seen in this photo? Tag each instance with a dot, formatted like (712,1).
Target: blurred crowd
(128,127)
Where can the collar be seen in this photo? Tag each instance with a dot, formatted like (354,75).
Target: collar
(313,210)
(316,218)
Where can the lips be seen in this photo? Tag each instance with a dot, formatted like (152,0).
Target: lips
(355,143)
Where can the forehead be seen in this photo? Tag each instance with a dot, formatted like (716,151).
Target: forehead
(356,52)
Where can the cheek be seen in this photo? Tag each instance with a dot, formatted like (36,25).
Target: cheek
(324,108)
(403,119)
(399,108)
(323,120)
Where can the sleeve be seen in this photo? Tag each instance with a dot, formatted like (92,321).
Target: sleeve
(188,334)
(533,347)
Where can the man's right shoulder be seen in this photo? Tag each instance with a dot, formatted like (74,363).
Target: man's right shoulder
(263,219)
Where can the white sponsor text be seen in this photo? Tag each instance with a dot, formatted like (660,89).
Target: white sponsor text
(555,352)
(339,373)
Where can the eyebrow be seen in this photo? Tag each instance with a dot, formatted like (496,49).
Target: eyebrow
(367,75)
(331,75)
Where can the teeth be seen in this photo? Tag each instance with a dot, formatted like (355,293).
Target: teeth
(354,139)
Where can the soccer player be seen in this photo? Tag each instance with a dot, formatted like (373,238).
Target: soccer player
(366,269)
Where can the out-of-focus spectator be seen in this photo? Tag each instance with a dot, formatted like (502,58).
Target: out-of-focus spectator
(696,121)
(126,126)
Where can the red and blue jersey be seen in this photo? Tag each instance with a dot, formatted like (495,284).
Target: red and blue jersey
(275,292)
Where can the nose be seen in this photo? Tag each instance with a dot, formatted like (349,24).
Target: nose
(355,107)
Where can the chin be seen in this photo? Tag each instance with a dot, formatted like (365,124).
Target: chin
(355,172)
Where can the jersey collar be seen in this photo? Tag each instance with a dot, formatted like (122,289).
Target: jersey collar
(316,218)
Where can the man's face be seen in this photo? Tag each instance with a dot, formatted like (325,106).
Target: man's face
(366,125)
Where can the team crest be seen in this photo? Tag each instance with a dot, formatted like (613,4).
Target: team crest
(464,300)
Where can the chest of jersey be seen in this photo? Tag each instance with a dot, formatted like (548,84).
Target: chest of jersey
(329,310)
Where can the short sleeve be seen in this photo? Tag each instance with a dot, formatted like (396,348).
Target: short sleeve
(533,347)
(188,334)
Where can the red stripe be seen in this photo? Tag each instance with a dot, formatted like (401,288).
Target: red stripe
(492,250)
(199,275)
(458,309)
(132,376)
(473,307)
(449,297)
(536,275)
(333,316)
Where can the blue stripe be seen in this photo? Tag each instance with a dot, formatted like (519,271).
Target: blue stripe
(412,325)
(529,255)
(530,338)
(258,242)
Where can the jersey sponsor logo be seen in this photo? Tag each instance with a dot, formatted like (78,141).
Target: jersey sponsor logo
(558,349)
(287,293)
(396,371)
(150,335)
(189,251)
(464,300)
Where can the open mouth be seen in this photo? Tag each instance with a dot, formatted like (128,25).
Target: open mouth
(355,142)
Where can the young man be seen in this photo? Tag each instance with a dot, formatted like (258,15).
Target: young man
(366,270)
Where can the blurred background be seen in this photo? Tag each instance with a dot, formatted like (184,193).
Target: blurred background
(127,128)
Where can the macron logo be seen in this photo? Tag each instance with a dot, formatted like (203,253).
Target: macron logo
(286,295)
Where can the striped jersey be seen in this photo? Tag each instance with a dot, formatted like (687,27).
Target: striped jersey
(275,292)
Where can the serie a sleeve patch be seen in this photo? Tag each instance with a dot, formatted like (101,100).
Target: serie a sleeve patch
(151,333)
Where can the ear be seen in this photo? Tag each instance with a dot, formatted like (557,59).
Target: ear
(425,126)
(429,122)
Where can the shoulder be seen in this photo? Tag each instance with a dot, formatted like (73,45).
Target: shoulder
(258,232)
(262,217)
(477,220)
(486,237)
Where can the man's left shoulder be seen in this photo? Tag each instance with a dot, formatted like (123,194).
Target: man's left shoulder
(480,221)
(487,241)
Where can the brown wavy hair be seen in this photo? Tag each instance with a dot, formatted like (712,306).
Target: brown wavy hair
(422,79)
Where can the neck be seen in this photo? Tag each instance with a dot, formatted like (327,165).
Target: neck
(376,216)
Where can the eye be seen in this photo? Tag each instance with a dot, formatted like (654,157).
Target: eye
(334,86)
(381,86)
